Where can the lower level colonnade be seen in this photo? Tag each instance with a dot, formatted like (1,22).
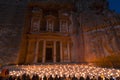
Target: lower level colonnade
(48,51)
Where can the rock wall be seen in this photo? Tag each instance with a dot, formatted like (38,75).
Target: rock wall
(11,25)
(97,32)
(100,33)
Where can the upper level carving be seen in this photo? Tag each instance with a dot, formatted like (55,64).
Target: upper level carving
(53,21)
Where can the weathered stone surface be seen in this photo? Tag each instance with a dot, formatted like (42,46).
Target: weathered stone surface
(101,34)
(11,23)
(97,32)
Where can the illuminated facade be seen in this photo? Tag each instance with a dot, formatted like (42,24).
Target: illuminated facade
(47,35)
(68,31)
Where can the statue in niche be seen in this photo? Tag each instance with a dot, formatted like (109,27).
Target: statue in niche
(50,25)
(35,25)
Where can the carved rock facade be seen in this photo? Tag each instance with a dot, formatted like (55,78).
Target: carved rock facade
(90,28)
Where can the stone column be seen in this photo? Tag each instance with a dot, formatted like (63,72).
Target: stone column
(28,51)
(44,51)
(68,48)
(36,52)
(54,54)
(61,52)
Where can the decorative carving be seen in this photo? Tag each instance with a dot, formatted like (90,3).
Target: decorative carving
(36,9)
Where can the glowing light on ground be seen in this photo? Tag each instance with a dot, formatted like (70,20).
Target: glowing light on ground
(60,70)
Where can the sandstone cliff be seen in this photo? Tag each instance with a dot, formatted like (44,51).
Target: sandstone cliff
(97,31)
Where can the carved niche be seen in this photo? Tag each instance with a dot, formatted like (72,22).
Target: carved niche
(36,19)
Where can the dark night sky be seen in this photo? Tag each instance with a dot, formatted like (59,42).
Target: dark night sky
(114,5)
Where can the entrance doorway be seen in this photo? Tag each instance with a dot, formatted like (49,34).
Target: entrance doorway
(49,55)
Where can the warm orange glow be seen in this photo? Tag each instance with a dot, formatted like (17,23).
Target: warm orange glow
(60,70)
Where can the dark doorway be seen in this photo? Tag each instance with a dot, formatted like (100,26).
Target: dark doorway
(49,56)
